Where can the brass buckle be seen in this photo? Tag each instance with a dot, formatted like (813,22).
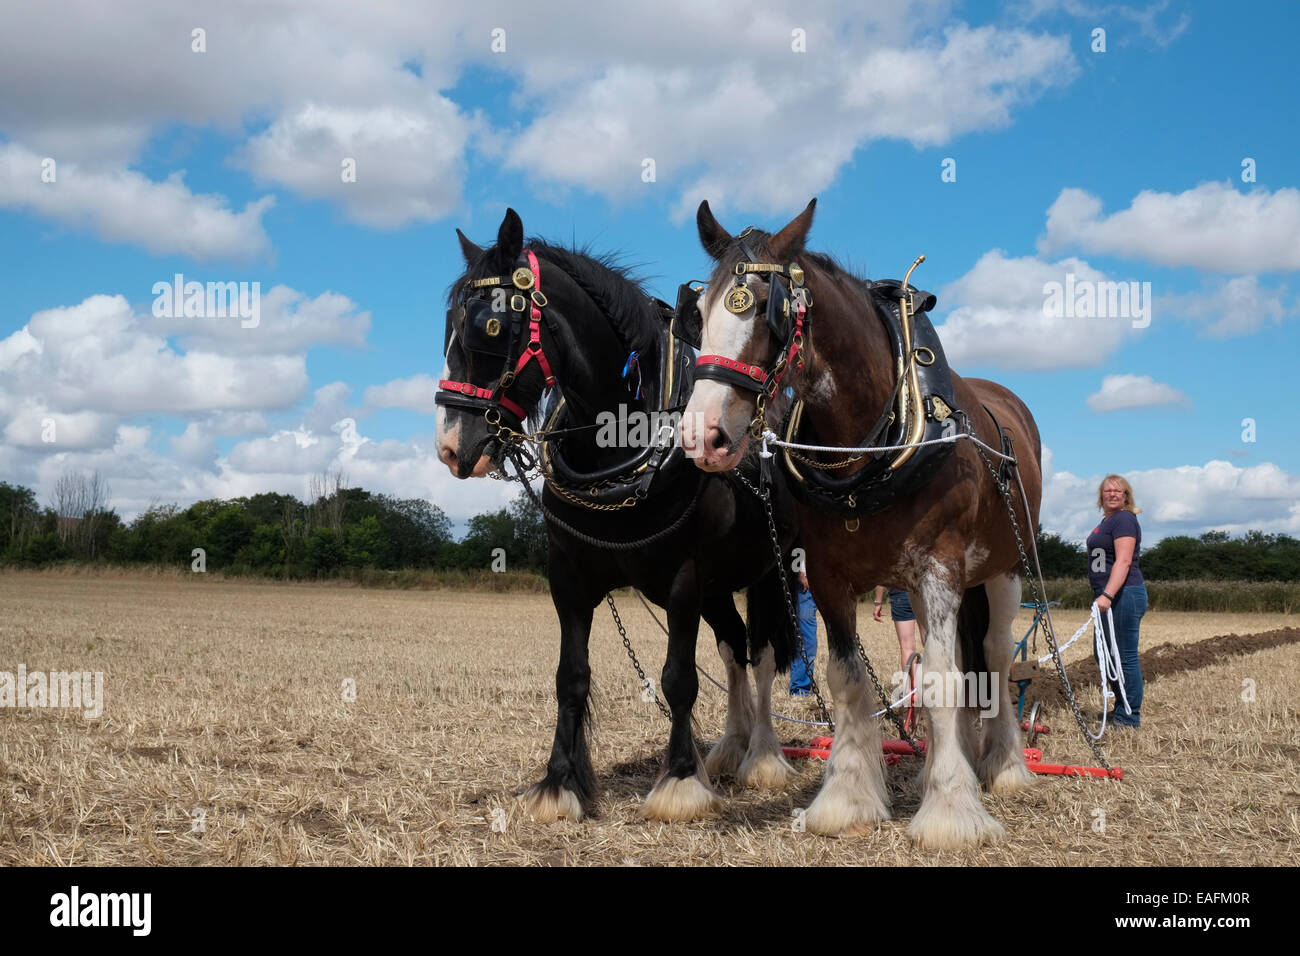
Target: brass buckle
(539,299)
(518,303)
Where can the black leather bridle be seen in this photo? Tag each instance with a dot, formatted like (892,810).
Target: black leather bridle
(787,321)
(492,322)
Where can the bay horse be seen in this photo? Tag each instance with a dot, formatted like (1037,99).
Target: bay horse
(945,537)
(591,331)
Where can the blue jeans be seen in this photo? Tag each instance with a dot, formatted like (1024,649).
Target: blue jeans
(1127,611)
(800,678)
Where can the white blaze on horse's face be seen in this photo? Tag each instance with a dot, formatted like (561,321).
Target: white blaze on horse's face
(447,439)
(715,426)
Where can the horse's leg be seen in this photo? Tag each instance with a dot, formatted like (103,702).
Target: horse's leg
(726,755)
(951,814)
(1002,765)
(683,791)
(853,797)
(765,765)
(569,787)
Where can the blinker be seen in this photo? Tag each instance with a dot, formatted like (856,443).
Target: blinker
(687,320)
(778,310)
(483,330)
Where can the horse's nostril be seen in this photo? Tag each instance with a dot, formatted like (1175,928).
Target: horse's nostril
(723,440)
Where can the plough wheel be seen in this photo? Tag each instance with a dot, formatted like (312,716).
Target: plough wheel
(1031,735)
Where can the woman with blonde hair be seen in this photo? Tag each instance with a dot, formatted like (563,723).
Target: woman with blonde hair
(1113,550)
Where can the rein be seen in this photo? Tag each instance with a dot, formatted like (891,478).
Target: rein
(569,529)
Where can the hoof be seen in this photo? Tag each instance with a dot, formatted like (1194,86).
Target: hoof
(949,821)
(726,756)
(679,799)
(1013,777)
(768,770)
(836,813)
(546,804)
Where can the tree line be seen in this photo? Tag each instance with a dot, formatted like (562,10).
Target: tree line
(1214,555)
(337,529)
(340,528)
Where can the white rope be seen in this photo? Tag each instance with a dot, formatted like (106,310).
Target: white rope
(769,438)
(806,723)
(1077,634)
(1108,662)
(898,703)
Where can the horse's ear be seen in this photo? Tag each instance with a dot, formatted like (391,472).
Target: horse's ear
(713,237)
(788,243)
(510,237)
(471,252)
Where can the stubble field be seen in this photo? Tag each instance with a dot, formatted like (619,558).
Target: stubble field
(226,738)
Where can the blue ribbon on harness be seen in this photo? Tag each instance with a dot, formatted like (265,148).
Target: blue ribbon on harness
(633,359)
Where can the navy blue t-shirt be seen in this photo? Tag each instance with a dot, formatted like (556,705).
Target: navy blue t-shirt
(1101,549)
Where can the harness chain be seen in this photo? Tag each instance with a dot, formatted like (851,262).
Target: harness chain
(823,464)
(596,542)
(764,496)
(899,722)
(1048,631)
(645,681)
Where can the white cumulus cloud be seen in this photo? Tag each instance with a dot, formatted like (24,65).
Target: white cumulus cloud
(121,205)
(1238,306)
(1119,392)
(1212,227)
(999,317)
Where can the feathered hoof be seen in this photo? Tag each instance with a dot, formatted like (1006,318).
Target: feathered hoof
(1012,777)
(951,821)
(679,799)
(546,804)
(768,770)
(836,813)
(726,756)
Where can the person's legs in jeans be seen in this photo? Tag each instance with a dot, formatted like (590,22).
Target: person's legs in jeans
(800,679)
(1127,613)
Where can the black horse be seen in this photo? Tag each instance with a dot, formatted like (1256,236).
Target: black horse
(625,506)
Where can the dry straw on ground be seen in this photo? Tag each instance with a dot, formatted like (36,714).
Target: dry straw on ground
(227,698)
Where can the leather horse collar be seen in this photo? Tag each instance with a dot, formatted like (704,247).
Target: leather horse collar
(625,484)
(921,407)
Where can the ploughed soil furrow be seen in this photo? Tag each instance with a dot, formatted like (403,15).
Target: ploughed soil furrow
(1159,661)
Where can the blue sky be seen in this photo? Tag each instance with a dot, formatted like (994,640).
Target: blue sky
(223,165)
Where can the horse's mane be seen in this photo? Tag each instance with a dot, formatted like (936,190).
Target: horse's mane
(606,280)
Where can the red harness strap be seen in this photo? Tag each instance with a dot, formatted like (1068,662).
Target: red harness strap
(749,371)
(473,391)
(534,347)
(755,372)
(532,351)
